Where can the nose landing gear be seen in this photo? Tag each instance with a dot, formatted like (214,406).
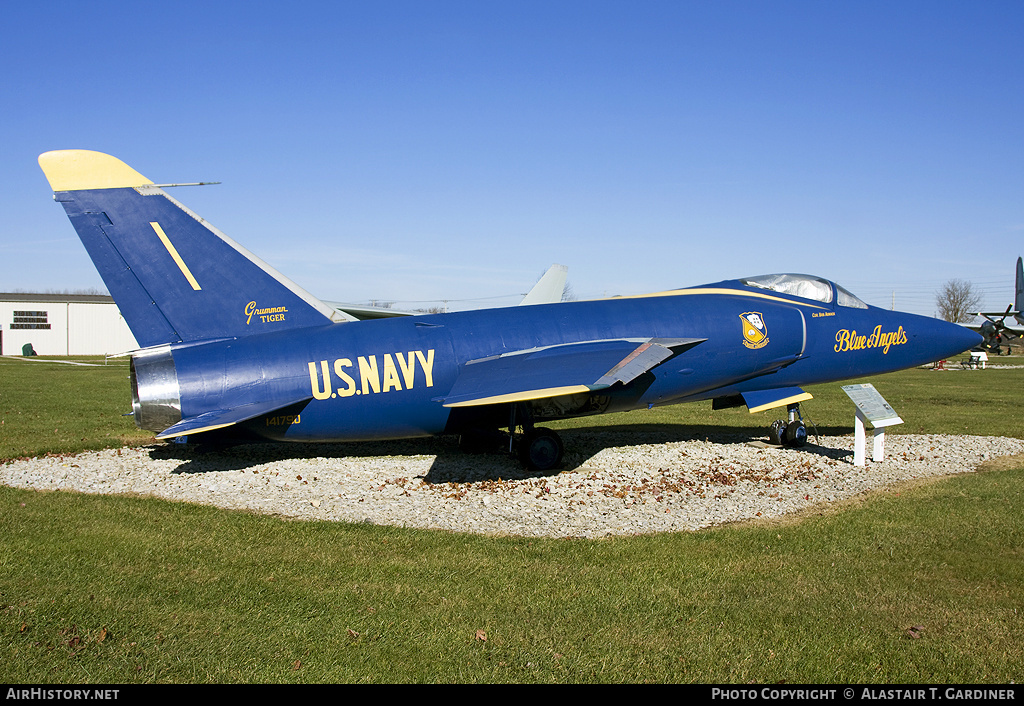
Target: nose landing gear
(790,433)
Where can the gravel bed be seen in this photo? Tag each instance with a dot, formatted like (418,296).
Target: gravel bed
(609,484)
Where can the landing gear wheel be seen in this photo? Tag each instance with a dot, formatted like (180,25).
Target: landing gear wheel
(540,450)
(777,432)
(796,435)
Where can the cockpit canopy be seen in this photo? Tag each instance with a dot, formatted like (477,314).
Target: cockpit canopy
(805,286)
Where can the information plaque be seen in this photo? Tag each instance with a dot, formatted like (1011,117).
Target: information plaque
(871,408)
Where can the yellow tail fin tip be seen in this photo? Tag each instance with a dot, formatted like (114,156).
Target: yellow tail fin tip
(78,170)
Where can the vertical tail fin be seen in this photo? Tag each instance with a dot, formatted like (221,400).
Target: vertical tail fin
(174,277)
(1018,299)
(549,288)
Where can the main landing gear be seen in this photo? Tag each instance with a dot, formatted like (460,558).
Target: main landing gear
(537,448)
(791,433)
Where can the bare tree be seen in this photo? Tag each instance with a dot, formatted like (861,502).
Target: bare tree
(568,295)
(956,300)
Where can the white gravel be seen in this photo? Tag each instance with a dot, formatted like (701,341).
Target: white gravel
(607,486)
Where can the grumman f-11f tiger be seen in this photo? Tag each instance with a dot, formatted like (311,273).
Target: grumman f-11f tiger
(232,348)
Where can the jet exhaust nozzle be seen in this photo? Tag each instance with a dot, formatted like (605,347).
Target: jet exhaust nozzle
(156,396)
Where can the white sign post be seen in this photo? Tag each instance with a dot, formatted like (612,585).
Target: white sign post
(871,409)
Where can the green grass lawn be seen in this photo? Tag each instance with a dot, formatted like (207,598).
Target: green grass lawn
(923,585)
(917,584)
(53,407)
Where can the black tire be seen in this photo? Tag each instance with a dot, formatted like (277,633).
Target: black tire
(541,450)
(777,432)
(796,435)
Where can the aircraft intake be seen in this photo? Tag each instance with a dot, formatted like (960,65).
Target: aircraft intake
(156,396)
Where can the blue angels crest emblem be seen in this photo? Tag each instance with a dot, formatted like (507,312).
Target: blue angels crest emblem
(755,333)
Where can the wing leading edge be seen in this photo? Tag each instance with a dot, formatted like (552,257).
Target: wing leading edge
(761,400)
(567,369)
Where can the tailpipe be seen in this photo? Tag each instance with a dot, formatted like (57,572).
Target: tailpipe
(156,396)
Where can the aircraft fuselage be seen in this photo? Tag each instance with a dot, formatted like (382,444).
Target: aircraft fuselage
(389,378)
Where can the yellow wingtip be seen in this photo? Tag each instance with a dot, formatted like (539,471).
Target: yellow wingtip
(77,170)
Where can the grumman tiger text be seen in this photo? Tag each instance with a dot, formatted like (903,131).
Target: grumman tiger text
(273,313)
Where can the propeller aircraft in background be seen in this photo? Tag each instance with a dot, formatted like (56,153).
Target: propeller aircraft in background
(994,330)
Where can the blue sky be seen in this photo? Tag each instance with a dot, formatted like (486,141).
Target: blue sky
(425,151)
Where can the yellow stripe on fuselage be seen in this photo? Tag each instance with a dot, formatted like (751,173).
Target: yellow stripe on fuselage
(175,256)
(719,290)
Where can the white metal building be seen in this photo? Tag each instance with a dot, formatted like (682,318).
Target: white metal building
(63,324)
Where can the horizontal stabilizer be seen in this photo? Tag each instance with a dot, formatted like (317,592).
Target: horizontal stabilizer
(560,370)
(760,400)
(220,418)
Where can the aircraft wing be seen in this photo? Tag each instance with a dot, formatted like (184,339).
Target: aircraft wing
(567,369)
(760,400)
(990,314)
(361,312)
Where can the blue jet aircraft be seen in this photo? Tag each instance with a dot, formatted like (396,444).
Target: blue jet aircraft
(232,348)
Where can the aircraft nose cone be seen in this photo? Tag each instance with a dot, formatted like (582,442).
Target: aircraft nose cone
(954,338)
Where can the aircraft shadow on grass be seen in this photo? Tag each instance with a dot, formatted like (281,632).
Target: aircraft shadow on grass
(452,465)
